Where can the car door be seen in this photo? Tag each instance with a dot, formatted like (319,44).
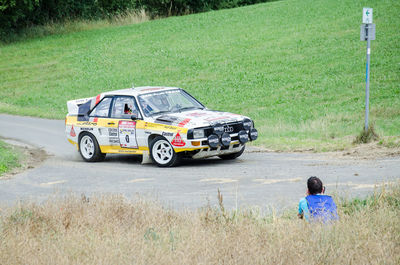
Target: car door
(121,124)
(100,116)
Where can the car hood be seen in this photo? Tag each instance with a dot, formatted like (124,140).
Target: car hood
(198,118)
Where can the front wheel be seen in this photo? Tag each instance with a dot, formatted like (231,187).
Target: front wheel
(162,153)
(233,155)
(89,148)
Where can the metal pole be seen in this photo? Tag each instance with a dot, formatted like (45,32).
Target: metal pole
(367,80)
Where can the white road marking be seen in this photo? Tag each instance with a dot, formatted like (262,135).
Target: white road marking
(357,186)
(139,180)
(219,180)
(273,181)
(48,184)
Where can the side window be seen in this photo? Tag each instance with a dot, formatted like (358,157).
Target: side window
(124,108)
(101,110)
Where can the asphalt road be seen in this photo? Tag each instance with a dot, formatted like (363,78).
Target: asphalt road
(256,179)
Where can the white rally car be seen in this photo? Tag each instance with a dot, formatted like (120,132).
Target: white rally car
(161,123)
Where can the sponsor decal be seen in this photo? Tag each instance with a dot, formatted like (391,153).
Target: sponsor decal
(197,114)
(127,134)
(114,140)
(167,134)
(184,122)
(160,127)
(87,123)
(86,129)
(177,141)
(128,151)
(112,132)
(169,127)
(72,132)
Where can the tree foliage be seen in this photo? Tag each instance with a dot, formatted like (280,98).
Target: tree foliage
(19,14)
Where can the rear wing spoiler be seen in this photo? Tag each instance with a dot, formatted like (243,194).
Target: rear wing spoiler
(73,105)
(83,105)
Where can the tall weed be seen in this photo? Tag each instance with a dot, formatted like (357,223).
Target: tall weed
(113,230)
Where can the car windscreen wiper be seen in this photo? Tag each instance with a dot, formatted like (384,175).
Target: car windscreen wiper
(160,112)
(189,108)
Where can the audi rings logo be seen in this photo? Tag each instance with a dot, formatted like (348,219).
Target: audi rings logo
(228,129)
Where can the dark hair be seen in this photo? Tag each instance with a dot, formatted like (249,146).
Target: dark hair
(314,185)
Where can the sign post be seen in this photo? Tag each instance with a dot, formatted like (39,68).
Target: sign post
(367,34)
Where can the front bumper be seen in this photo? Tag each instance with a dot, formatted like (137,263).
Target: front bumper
(209,152)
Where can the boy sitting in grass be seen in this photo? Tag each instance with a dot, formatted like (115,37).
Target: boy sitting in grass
(316,206)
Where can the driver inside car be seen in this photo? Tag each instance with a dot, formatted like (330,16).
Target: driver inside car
(161,102)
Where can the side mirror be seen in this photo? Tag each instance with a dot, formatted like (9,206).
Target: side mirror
(134,117)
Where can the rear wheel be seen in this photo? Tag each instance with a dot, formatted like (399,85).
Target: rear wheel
(233,155)
(162,153)
(89,148)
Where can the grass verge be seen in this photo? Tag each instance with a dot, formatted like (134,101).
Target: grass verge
(296,67)
(112,230)
(9,158)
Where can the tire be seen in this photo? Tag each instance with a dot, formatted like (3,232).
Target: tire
(162,153)
(89,148)
(233,155)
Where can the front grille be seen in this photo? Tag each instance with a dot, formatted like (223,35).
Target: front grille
(231,128)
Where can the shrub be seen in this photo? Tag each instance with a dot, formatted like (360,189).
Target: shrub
(18,14)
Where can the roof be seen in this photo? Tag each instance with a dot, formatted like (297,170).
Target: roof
(137,90)
(73,105)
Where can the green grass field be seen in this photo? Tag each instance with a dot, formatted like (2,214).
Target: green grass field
(9,159)
(296,67)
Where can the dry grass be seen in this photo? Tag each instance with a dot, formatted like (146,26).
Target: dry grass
(113,230)
(76,25)
(366,136)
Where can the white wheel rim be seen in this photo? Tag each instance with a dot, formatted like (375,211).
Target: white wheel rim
(162,152)
(87,147)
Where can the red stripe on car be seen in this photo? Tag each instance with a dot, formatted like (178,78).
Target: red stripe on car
(184,122)
(98,98)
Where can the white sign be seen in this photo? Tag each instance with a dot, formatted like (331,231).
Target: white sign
(127,134)
(367,15)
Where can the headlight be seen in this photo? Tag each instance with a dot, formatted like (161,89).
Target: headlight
(218,129)
(225,139)
(243,137)
(198,133)
(213,141)
(247,124)
(253,134)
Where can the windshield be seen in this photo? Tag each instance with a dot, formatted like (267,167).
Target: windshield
(167,102)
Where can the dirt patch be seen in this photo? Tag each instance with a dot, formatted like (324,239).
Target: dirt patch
(368,151)
(30,157)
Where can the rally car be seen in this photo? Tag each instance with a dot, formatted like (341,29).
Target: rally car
(163,124)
